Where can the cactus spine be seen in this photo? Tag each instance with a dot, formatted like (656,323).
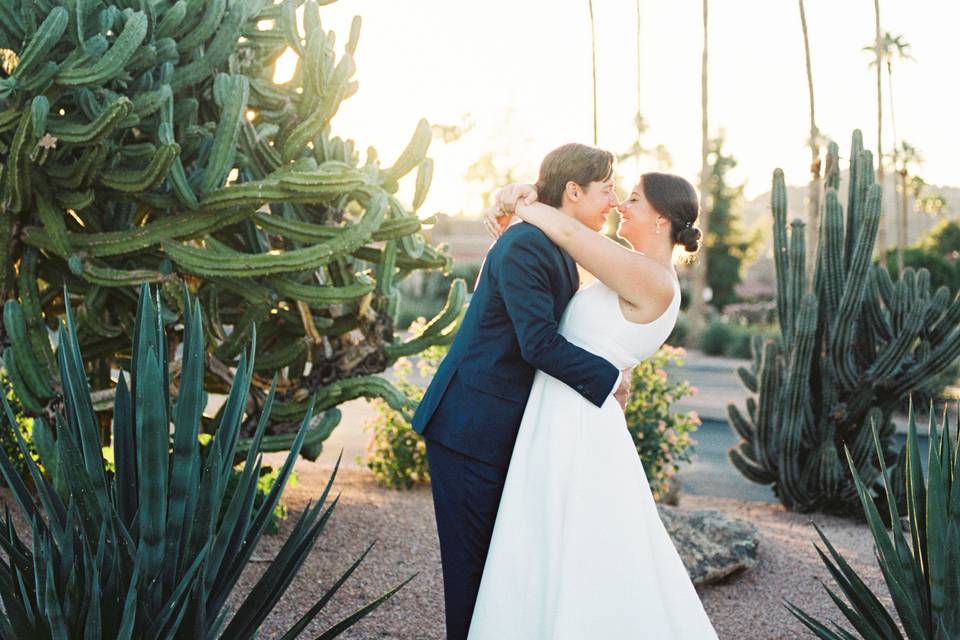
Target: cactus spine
(848,352)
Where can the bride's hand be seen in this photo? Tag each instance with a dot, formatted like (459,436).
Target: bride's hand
(511,195)
(497,218)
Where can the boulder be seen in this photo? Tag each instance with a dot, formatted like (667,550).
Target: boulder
(712,544)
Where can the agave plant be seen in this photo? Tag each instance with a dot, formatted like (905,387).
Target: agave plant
(923,577)
(140,553)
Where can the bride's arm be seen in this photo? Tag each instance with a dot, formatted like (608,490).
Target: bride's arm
(637,278)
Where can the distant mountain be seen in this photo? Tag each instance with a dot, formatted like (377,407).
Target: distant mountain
(756,213)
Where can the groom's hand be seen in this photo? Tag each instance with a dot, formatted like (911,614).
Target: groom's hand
(623,391)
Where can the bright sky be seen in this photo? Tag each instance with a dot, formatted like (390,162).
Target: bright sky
(521,71)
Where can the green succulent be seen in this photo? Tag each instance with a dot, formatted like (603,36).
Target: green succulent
(143,552)
(148,142)
(922,575)
(853,345)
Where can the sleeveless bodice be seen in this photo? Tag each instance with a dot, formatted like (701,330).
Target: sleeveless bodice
(593,320)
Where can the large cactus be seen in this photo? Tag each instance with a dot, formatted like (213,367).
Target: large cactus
(151,144)
(849,351)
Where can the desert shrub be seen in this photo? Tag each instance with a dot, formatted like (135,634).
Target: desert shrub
(662,436)
(397,454)
(716,337)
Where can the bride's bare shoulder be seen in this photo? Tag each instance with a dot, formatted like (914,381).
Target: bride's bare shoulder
(651,306)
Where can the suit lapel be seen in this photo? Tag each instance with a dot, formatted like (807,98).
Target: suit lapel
(572,271)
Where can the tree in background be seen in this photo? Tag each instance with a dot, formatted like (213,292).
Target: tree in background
(490,173)
(593,53)
(888,48)
(696,310)
(930,206)
(907,156)
(927,206)
(813,196)
(728,248)
(877,50)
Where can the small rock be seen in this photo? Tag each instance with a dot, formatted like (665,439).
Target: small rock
(711,544)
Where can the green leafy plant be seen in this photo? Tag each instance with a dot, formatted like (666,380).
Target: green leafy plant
(268,478)
(140,553)
(397,454)
(922,575)
(8,441)
(732,339)
(662,437)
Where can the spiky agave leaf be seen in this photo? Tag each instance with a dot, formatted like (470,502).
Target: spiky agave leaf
(146,545)
(922,577)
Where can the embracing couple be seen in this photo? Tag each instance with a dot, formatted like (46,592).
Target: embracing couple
(548,528)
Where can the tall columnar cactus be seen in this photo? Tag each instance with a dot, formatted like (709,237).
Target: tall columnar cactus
(850,350)
(150,145)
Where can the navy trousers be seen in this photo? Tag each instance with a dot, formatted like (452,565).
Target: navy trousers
(466,495)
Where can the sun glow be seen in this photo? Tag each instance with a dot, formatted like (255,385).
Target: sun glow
(518,75)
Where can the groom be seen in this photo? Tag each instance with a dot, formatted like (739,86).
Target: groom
(471,412)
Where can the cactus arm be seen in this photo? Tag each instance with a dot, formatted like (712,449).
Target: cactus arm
(850,304)
(439,330)
(113,61)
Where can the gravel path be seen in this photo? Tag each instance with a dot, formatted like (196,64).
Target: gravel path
(743,607)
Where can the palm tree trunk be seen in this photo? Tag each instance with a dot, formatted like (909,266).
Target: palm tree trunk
(902,202)
(882,231)
(902,217)
(593,47)
(697,303)
(638,58)
(813,197)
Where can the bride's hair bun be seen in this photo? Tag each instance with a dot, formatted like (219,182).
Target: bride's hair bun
(674,198)
(689,237)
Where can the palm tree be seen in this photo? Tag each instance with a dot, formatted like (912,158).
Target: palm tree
(638,58)
(915,188)
(813,198)
(593,46)
(908,156)
(930,206)
(882,231)
(697,303)
(886,48)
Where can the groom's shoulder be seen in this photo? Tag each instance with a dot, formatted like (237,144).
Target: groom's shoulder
(524,235)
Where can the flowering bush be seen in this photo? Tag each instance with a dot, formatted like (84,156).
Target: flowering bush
(397,454)
(8,441)
(662,438)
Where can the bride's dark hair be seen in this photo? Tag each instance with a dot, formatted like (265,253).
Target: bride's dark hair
(674,198)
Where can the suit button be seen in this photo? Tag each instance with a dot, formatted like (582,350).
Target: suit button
(579,387)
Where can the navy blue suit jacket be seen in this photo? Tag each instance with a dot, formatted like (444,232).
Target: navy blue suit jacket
(475,401)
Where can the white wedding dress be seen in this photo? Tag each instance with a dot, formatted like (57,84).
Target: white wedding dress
(578,550)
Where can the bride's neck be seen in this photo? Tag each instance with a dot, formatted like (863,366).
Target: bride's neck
(653,248)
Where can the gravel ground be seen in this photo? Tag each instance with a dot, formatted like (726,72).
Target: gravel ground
(747,606)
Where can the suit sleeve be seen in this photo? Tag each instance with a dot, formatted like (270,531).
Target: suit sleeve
(524,283)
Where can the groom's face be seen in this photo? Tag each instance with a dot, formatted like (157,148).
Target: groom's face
(594,202)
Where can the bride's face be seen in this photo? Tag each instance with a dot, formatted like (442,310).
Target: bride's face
(637,216)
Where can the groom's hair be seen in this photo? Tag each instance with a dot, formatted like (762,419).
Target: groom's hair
(572,162)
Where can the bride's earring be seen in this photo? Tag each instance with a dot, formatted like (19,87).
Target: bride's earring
(658,224)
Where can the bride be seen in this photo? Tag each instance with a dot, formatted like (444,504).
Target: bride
(578,549)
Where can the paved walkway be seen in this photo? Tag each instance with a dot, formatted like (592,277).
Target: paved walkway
(718,385)
(709,473)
